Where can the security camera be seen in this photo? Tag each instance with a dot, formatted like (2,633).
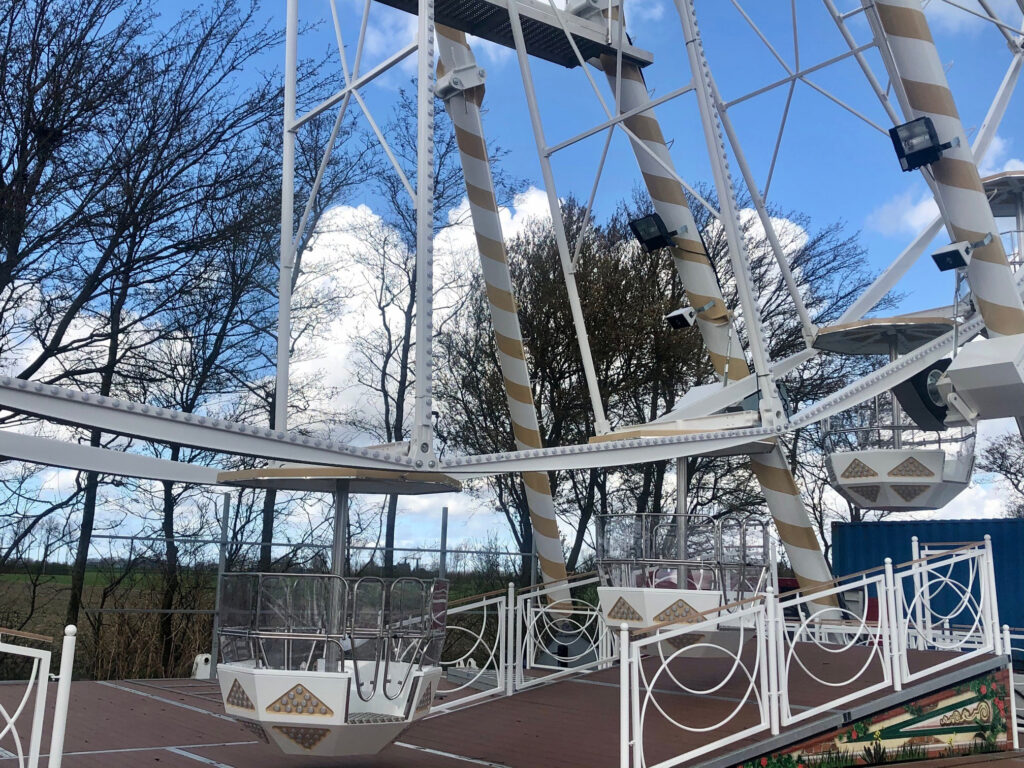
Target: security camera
(684,317)
(953,256)
(958,255)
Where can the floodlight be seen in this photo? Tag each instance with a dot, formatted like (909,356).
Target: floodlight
(921,399)
(684,317)
(651,232)
(917,143)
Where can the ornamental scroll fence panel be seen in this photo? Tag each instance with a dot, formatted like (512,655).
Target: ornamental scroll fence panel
(804,647)
(475,652)
(504,642)
(22,716)
(556,639)
(896,624)
(946,601)
(734,654)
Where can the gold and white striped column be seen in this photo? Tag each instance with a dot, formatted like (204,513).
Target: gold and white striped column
(914,65)
(691,260)
(464,109)
(688,254)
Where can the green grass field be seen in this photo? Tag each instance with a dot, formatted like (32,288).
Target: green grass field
(93,578)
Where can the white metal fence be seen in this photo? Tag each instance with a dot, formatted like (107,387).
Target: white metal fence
(757,653)
(503,643)
(15,721)
(1013,644)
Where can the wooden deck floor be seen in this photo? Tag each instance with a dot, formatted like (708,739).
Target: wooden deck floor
(569,724)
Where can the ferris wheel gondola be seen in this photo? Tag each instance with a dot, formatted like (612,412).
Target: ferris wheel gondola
(330,664)
(879,455)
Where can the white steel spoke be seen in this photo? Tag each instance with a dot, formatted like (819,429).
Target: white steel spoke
(341,43)
(1009,32)
(761,35)
(388,64)
(642,145)
(836,100)
(796,35)
(798,75)
(778,139)
(882,94)
(328,151)
(601,421)
(612,121)
(766,222)
(590,200)
(362,38)
(384,145)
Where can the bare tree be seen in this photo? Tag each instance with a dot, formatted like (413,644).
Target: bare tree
(1004,457)
(387,257)
(642,365)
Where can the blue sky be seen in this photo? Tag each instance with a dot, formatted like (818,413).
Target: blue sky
(832,166)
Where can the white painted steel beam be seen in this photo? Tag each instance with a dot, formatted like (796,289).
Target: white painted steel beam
(287,255)
(422,440)
(85,458)
(620,452)
(162,425)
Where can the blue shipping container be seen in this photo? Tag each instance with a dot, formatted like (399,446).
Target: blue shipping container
(859,546)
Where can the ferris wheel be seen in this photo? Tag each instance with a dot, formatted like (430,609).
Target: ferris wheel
(901,437)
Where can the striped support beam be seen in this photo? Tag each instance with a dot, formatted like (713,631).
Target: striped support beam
(463,108)
(913,63)
(688,254)
(691,260)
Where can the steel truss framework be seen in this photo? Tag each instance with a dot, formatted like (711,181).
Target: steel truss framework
(588,31)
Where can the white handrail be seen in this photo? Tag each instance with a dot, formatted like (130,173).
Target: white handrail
(515,634)
(38,683)
(944,601)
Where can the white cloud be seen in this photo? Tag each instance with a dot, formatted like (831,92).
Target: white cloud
(949,18)
(791,235)
(986,496)
(998,159)
(57,479)
(980,500)
(488,52)
(911,211)
(344,233)
(645,11)
(386,32)
(907,213)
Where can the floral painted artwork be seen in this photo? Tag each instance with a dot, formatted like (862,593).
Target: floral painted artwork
(968,719)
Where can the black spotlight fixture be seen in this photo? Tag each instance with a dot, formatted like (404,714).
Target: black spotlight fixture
(651,232)
(917,144)
(920,397)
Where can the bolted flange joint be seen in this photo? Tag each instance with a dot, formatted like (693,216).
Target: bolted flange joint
(460,79)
